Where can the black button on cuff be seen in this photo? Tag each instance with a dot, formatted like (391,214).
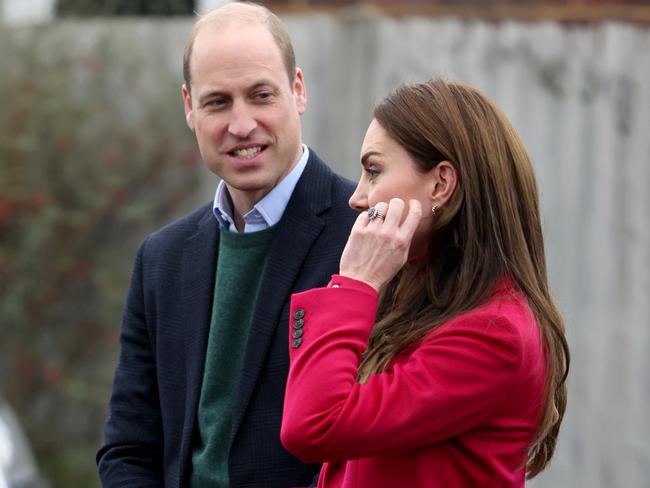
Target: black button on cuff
(298,324)
(296,343)
(297,333)
(298,314)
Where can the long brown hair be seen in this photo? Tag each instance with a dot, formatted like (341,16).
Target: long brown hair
(489,228)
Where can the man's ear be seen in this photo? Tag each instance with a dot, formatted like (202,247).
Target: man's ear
(187,105)
(300,91)
(444,179)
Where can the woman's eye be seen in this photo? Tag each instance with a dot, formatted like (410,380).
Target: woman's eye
(372,172)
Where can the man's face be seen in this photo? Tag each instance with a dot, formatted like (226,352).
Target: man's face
(244,109)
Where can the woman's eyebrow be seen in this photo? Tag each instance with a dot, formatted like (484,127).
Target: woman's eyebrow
(368,155)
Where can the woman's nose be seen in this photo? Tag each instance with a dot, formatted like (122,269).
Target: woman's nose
(359,200)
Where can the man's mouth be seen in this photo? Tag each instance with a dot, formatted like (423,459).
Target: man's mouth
(247,153)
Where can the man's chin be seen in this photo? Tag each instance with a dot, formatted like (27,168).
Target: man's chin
(253,188)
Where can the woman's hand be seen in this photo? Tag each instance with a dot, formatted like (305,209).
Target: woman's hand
(377,249)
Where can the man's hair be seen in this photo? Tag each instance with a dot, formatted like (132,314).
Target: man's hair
(246,13)
(490,228)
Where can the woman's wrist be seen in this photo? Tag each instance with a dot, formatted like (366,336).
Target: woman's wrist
(348,280)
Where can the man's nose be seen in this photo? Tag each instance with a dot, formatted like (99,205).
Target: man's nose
(359,199)
(242,121)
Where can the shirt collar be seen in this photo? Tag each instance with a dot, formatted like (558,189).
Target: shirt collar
(269,210)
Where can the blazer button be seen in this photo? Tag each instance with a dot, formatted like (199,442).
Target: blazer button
(296,343)
(297,333)
(298,324)
(298,314)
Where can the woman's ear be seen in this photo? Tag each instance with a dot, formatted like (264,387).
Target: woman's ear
(444,181)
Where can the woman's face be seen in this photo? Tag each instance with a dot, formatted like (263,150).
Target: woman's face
(388,171)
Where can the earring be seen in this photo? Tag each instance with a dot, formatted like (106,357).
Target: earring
(434,209)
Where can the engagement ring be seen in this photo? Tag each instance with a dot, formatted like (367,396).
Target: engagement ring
(373,213)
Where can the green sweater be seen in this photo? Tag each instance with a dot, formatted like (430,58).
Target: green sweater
(239,271)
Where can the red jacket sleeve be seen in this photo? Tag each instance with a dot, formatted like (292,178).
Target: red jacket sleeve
(451,382)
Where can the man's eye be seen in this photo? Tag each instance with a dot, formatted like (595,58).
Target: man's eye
(263,95)
(216,102)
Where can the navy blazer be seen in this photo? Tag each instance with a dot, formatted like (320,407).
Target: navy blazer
(164,335)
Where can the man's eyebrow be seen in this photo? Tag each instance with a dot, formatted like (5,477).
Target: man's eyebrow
(368,155)
(261,83)
(224,94)
(212,94)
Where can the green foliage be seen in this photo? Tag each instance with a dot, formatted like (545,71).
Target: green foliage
(94,153)
(124,7)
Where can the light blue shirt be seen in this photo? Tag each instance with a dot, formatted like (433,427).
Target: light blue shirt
(269,210)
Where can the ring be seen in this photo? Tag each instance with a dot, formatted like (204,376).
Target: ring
(373,213)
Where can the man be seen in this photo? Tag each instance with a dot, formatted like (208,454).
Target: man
(199,386)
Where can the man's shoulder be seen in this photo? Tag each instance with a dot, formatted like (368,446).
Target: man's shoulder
(343,185)
(324,170)
(183,227)
(320,182)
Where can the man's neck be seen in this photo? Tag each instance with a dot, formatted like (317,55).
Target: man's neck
(242,203)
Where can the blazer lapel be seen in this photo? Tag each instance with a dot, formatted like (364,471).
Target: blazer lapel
(198,275)
(297,230)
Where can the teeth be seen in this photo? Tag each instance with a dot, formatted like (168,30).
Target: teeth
(248,152)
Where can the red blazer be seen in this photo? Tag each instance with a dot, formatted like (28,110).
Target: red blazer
(457,410)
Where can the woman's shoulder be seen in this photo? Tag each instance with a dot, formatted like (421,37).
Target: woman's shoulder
(505,315)
(500,335)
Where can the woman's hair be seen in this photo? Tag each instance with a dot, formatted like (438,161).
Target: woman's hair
(490,228)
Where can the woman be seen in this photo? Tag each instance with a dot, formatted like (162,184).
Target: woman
(436,358)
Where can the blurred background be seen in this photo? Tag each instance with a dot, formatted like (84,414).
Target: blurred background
(94,154)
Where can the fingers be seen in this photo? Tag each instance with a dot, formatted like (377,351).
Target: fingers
(410,223)
(377,248)
(412,218)
(394,212)
(362,221)
(381,208)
